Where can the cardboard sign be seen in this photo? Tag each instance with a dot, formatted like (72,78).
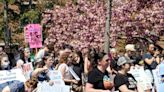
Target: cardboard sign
(27,69)
(10,75)
(56,77)
(45,87)
(33,35)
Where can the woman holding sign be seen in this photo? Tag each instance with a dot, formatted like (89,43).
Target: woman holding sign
(7,85)
(98,78)
(63,67)
(43,69)
(78,68)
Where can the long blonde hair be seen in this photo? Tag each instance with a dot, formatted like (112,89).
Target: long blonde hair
(62,59)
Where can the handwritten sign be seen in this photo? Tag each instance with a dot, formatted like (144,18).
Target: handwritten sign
(33,35)
(56,77)
(141,77)
(10,75)
(45,87)
(27,69)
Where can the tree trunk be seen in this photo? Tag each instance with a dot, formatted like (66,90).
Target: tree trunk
(6,30)
(30,4)
(107,30)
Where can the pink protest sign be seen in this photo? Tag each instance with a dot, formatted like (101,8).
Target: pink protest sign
(33,35)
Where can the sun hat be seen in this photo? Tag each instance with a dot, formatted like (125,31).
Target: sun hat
(130,47)
(112,50)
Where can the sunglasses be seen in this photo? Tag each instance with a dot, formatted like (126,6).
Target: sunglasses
(107,60)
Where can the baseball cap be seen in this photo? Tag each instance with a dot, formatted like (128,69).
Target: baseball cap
(123,60)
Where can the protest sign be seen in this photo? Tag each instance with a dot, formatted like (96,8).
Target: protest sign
(45,87)
(159,77)
(156,78)
(141,77)
(27,69)
(56,77)
(10,75)
(33,35)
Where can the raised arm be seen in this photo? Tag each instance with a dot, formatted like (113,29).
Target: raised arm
(89,88)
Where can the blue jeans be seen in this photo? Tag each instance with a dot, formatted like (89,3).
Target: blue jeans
(15,86)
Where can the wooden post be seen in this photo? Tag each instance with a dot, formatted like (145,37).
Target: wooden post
(107,30)
(36,50)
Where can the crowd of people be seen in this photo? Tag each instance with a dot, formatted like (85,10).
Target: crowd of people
(98,71)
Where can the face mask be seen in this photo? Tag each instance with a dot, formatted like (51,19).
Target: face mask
(5,65)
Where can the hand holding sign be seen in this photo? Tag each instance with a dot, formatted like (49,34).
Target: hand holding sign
(45,87)
(51,83)
(56,77)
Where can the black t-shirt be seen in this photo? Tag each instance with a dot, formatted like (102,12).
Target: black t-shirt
(78,70)
(97,78)
(127,80)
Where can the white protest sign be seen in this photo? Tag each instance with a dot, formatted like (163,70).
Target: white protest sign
(156,77)
(56,77)
(10,75)
(27,69)
(158,74)
(161,74)
(141,77)
(45,87)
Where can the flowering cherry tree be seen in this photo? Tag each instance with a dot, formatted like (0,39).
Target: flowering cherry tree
(143,18)
(82,24)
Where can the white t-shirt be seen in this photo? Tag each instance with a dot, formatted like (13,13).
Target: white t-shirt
(67,74)
(40,54)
